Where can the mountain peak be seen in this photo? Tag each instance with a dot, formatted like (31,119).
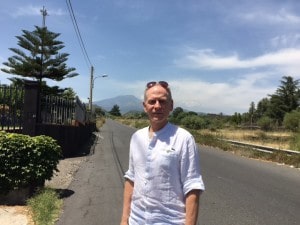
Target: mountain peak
(126,103)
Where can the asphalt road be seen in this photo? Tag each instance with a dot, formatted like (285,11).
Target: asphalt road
(239,191)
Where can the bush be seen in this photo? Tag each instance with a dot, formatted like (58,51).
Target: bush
(292,120)
(194,122)
(266,123)
(26,161)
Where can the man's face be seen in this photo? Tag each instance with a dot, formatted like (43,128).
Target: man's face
(158,105)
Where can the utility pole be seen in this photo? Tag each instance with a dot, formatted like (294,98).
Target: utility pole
(38,103)
(92,81)
(44,14)
(91,89)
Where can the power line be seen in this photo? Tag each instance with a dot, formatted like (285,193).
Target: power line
(79,37)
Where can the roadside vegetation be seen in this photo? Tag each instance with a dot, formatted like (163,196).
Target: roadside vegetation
(27,162)
(215,138)
(273,139)
(45,207)
(100,121)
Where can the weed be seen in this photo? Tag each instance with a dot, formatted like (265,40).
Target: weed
(45,207)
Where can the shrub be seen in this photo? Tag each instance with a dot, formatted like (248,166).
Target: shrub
(265,123)
(194,122)
(292,120)
(26,161)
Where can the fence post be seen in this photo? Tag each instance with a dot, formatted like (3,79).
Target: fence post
(30,107)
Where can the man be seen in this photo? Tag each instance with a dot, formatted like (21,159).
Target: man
(163,182)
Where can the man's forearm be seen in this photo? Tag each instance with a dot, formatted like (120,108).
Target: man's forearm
(192,207)
(128,190)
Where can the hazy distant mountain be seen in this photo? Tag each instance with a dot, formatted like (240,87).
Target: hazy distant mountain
(125,102)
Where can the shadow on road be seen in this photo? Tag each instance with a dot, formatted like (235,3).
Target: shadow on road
(64,193)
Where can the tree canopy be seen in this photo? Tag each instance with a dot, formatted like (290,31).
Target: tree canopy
(41,58)
(285,99)
(272,109)
(115,111)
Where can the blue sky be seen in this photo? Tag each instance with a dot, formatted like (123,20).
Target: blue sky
(217,55)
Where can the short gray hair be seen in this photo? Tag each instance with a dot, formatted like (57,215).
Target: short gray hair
(166,88)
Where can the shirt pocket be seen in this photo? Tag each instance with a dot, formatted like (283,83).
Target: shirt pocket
(167,158)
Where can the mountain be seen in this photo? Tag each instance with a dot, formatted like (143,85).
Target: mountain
(126,103)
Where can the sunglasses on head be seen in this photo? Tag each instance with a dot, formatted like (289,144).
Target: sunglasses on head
(164,84)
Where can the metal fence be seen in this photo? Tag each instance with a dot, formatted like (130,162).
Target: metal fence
(81,115)
(11,107)
(58,110)
(53,109)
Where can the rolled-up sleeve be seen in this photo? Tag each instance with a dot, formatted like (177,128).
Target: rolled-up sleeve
(190,167)
(129,174)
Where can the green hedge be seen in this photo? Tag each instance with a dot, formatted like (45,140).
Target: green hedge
(26,161)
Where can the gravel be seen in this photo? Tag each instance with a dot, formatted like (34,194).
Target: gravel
(67,168)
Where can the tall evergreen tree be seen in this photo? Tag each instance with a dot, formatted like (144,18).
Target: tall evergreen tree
(289,92)
(115,111)
(285,99)
(236,118)
(262,107)
(41,58)
(252,112)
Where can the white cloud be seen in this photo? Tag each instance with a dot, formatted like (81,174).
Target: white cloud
(27,11)
(57,12)
(36,11)
(286,41)
(237,95)
(207,59)
(282,16)
(219,97)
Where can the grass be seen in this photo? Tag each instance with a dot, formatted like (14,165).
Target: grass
(213,139)
(45,207)
(100,121)
(279,140)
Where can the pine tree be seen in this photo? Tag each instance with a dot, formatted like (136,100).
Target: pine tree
(41,58)
(285,99)
(252,112)
(115,111)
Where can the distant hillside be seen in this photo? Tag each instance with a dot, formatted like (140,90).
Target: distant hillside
(126,103)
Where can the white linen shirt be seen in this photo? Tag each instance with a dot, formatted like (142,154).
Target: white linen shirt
(164,169)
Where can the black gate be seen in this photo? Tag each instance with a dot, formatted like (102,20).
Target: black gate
(11,108)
